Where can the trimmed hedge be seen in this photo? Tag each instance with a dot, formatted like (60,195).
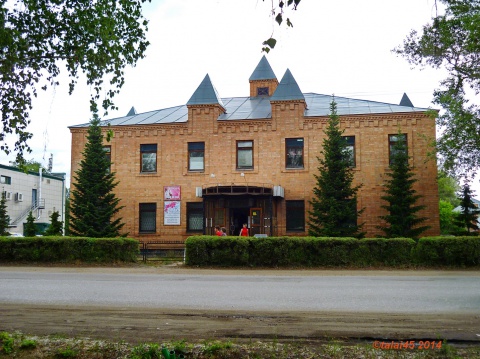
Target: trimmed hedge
(297,251)
(68,249)
(332,252)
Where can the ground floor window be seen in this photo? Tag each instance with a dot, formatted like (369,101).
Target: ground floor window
(148,218)
(194,216)
(295,215)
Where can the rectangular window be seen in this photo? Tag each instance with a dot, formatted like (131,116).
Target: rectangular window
(148,217)
(5,180)
(196,156)
(245,154)
(295,215)
(294,152)
(350,140)
(194,216)
(392,141)
(108,155)
(148,158)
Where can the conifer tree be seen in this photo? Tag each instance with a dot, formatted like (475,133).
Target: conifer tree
(55,228)
(334,204)
(468,216)
(30,229)
(402,219)
(93,205)
(4,218)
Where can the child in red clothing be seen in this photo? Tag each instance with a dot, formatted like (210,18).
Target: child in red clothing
(244,231)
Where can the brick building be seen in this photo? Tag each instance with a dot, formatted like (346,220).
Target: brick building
(228,161)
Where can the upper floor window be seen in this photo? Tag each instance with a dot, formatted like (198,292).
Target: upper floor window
(148,158)
(244,154)
(262,91)
(392,142)
(196,156)
(294,152)
(148,217)
(5,180)
(350,140)
(295,216)
(107,150)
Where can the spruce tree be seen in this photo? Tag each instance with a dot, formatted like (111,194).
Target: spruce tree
(468,216)
(93,205)
(334,204)
(4,218)
(30,229)
(55,228)
(402,219)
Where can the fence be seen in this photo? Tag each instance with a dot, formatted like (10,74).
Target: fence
(162,251)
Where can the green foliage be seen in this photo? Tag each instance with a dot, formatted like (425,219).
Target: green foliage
(67,212)
(334,204)
(7,342)
(55,228)
(68,250)
(448,251)
(401,218)
(448,218)
(95,38)
(28,344)
(297,251)
(4,218)
(447,188)
(66,353)
(278,15)
(450,42)
(29,166)
(146,351)
(93,204)
(215,347)
(30,229)
(467,218)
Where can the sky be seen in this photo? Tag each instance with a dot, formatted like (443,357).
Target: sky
(340,47)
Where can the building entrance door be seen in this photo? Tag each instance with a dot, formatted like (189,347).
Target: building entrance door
(256,225)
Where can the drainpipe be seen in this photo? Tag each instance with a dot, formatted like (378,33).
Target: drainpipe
(39,190)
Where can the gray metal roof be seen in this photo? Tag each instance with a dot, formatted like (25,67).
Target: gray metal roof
(287,89)
(263,71)
(132,112)
(205,94)
(251,108)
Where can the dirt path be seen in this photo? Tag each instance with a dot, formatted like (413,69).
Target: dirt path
(151,325)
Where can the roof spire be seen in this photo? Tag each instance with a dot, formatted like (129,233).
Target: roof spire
(205,94)
(287,89)
(263,71)
(132,112)
(405,101)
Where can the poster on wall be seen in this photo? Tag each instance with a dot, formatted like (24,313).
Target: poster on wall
(171,213)
(171,193)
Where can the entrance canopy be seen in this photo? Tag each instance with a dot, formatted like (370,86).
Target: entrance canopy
(237,190)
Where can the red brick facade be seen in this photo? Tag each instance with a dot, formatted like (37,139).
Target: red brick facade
(244,189)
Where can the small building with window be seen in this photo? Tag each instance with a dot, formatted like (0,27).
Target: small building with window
(228,161)
(25,192)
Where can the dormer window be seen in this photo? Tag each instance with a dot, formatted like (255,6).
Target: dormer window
(262,91)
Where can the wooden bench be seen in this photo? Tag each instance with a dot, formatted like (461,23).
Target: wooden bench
(147,248)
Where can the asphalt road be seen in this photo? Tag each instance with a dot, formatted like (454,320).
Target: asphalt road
(142,304)
(398,292)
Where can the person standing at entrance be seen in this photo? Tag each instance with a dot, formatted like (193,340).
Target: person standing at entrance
(218,232)
(244,231)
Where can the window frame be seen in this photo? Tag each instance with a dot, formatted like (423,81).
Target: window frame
(354,152)
(5,179)
(148,150)
(194,208)
(263,89)
(287,151)
(141,212)
(107,150)
(391,144)
(294,214)
(191,149)
(245,148)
